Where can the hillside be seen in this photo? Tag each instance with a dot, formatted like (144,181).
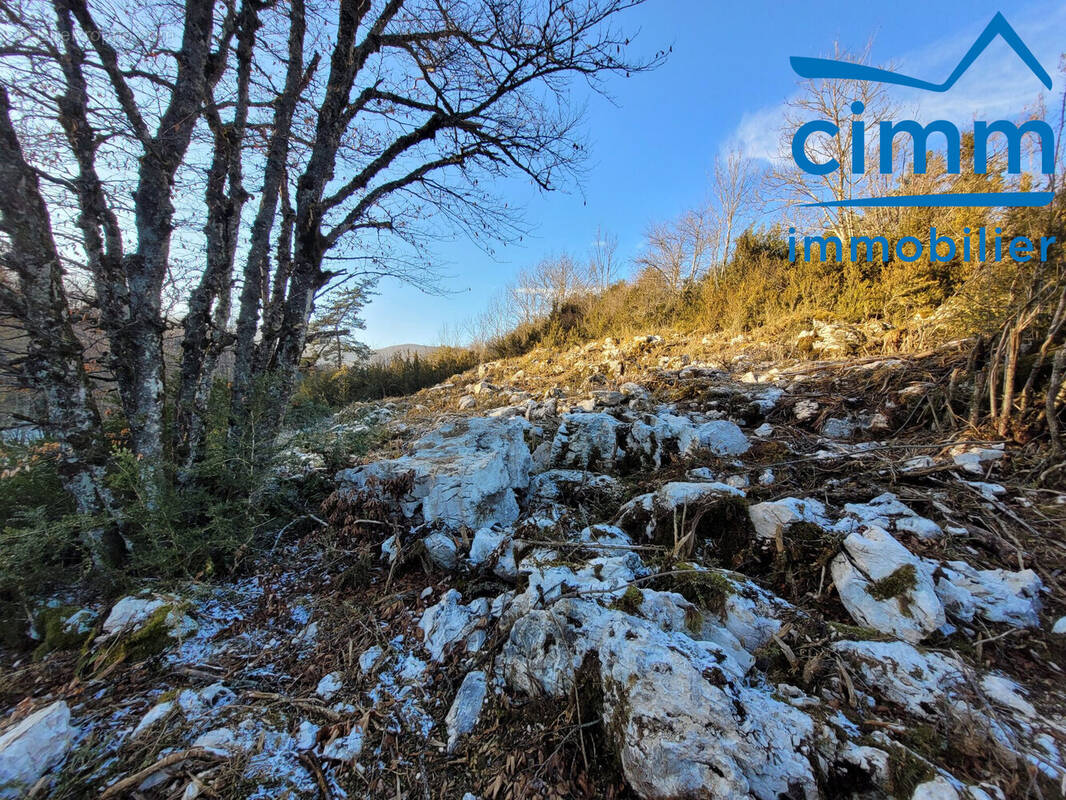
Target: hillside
(384,355)
(578,574)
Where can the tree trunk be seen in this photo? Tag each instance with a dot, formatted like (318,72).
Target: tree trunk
(137,340)
(53,363)
(256,267)
(209,304)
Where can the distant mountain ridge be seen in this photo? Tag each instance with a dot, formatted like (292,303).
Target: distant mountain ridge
(383,355)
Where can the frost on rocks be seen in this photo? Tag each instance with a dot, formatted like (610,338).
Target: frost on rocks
(465,473)
(33,747)
(306,735)
(400,692)
(220,741)
(449,623)
(154,715)
(773,519)
(885,587)
(345,748)
(329,686)
(652,515)
(466,709)
(886,511)
(996,595)
(370,658)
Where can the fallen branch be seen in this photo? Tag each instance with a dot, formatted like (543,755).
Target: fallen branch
(137,778)
(308,760)
(306,705)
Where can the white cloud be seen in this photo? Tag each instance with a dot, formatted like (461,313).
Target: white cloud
(758,136)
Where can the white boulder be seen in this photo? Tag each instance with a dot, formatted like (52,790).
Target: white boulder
(997,595)
(888,512)
(449,623)
(442,551)
(465,473)
(465,711)
(885,587)
(32,747)
(723,438)
(677,710)
(773,518)
(585,441)
(497,549)
(133,613)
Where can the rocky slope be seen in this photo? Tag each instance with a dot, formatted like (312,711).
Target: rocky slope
(629,570)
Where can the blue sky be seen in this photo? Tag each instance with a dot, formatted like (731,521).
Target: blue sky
(723,85)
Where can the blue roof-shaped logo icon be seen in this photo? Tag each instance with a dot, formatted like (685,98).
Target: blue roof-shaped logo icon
(830,68)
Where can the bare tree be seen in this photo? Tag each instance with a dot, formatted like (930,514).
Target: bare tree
(680,251)
(603,260)
(52,362)
(830,100)
(733,192)
(546,287)
(355,159)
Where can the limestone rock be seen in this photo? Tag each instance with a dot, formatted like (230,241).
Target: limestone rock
(885,587)
(465,473)
(496,549)
(723,438)
(32,747)
(586,441)
(465,711)
(805,410)
(442,551)
(451,624)
(773,518)
(886,511)
(996,595)
(676,710)
(651,516)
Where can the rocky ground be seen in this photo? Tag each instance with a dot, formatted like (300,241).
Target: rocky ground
(656,569)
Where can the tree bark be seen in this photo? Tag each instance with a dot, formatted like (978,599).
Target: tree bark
(53,363)
(139,340)
(256,267)
(209,304)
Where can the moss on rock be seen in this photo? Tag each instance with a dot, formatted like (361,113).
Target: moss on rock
(630,601)
(56,634)
(901,581)
(704,589)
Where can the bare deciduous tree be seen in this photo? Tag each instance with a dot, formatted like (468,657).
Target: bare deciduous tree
(830,100)
(359,127)
(603,260)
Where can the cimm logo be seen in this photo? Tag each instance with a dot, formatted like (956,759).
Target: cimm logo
(919,134)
